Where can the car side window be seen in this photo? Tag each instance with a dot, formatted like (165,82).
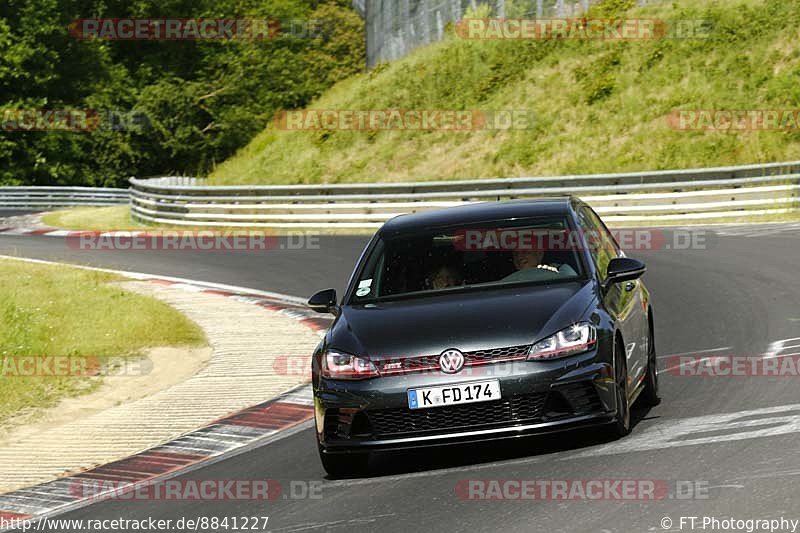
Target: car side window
(610,241)
(602,246)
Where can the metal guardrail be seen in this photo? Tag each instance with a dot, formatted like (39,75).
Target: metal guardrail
(45,197)
(631,197)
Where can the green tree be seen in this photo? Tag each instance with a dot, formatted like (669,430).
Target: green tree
(193,103)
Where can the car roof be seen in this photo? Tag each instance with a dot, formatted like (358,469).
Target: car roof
(479,212)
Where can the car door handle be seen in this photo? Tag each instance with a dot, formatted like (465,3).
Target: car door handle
(630,286)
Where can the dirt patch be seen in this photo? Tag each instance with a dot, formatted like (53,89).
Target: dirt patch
(133,379)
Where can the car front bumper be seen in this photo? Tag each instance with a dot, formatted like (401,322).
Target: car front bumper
(537,397)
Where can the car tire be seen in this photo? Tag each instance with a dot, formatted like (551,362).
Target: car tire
(622,423)
(649,396)
(344,465)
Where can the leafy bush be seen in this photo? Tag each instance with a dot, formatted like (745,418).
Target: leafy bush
(193,103)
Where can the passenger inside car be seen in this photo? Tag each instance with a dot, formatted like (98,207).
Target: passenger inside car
(445,276)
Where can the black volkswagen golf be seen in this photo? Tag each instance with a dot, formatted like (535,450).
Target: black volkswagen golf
(487,321)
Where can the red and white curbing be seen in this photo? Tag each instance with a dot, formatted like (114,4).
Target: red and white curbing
(224,437)
(51,232)
(290,306)
(274,302)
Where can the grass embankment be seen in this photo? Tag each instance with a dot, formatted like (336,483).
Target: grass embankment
(117,217)
(600,106)
(52,312)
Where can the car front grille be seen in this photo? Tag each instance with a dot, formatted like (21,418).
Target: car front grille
(509,411)
(483,356)
(478,357)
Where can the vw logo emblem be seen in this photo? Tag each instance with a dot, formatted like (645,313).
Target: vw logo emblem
(451,361)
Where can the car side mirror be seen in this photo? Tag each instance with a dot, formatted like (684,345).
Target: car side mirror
(623,269)
(324,302)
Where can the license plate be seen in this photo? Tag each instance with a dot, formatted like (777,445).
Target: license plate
(476,391)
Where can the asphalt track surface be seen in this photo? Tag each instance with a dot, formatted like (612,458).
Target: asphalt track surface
(736,440)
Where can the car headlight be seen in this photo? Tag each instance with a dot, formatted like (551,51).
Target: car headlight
(573,340)
(339,365)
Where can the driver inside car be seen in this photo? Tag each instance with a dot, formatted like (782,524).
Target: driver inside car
(530,267)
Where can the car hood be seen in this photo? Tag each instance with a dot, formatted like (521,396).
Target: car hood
(467,321)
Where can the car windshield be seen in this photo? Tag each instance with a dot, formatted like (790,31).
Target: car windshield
(533,251)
